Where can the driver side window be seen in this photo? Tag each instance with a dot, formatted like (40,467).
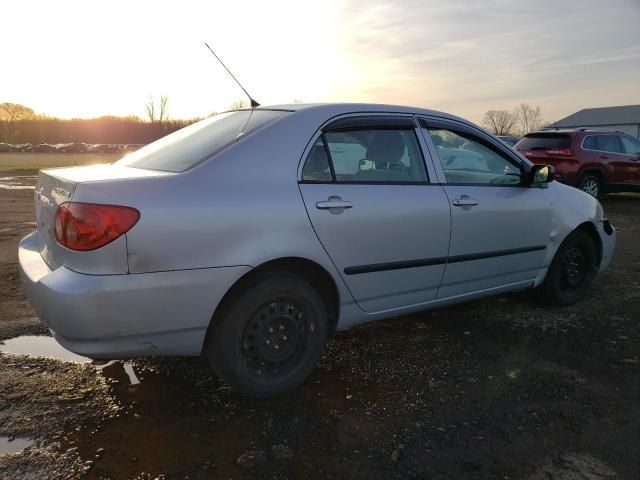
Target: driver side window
(467,160)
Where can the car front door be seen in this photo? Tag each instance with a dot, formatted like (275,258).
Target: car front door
(631,151)
(500,226)
(384,224)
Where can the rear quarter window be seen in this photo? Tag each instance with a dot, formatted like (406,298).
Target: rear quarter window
(192,145)
(544,141)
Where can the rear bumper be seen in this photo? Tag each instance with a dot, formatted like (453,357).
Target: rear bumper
(121,316)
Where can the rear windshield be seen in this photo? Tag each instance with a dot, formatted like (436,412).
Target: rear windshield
(544,141)
(191,145)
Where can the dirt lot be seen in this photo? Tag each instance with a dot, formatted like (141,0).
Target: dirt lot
(501,388)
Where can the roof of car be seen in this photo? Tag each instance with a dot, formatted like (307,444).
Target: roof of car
(574,130)
(341,108)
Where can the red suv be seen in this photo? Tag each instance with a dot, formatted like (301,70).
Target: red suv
(596,161)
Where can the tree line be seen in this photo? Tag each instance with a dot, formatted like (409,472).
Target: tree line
(518,122)
(20,124)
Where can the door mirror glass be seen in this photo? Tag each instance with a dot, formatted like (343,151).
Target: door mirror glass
(541,174)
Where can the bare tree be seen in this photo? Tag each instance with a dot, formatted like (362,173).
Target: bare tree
(150,109)
(10,115)
(499,122)
(528,118)
(239,104)
(164,112)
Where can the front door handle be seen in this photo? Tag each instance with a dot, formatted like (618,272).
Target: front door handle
(464,201)
(333,202)
(604,157)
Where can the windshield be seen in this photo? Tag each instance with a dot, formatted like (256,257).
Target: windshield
(192,145)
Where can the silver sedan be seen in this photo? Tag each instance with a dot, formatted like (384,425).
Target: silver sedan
(252,235)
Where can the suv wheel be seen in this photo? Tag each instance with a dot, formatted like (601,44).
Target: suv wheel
(572,270)
(268,341)
(591,184)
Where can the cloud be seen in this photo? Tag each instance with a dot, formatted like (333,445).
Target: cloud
(471,56)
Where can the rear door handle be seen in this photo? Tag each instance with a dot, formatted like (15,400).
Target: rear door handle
(604,157)
(326,205)
(464,201)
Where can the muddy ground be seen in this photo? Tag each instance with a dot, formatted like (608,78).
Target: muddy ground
(500,388)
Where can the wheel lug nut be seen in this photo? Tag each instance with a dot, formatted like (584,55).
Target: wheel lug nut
(281,327)
(277,347)
(267,341)
(270,329)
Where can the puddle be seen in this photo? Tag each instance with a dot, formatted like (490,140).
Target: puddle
(47,347)
(20,182)
(14,445)
(181,419)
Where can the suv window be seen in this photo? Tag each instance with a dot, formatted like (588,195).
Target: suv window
(608,143)
(191,145)
(630,145)
(468,160)
(544,141)
(366,155)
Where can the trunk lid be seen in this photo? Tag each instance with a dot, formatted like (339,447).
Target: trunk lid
(57,186)
(50,192)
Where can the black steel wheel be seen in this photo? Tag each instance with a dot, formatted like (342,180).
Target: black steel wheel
(276,338)
(572,270)
(268,339)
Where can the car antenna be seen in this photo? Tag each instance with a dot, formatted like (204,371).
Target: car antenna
(254,104)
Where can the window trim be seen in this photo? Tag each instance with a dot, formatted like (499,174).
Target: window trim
(603,151)
(500,149)
(355,122)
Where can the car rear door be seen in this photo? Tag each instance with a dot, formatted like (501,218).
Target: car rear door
(500,227)
(608,150)
(384,224)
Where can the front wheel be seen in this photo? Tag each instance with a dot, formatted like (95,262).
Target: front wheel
(269,339)
(572,270)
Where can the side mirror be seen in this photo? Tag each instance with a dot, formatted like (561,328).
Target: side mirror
(540,174)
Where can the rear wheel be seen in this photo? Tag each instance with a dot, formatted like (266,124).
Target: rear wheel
(591,184)
(572,270)
(270,338)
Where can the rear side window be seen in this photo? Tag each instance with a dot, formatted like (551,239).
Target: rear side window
(316,168)
(606,143)
(544,141)
(367,155)
(589,143)
(191,145)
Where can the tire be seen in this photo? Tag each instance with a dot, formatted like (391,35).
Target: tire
(268,340)
(591,184)
(572,270)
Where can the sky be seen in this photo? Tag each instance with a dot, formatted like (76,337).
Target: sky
(87,58)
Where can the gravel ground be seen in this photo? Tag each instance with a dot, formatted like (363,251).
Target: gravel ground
(500,388)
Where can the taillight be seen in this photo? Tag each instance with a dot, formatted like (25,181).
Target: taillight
(560,152)
(87,226)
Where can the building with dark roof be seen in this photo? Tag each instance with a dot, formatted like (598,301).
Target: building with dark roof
(624,118)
